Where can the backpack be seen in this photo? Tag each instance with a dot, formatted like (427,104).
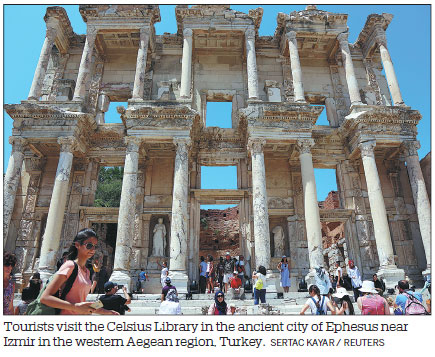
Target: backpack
(413,306)
(319,310)
(259,284)
(36,307)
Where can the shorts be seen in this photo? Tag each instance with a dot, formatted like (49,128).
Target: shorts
(227,277)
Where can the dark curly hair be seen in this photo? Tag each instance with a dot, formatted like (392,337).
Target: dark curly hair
(80,237)
(9,259)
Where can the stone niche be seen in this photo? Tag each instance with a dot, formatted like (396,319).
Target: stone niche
(153,221)
(274,222)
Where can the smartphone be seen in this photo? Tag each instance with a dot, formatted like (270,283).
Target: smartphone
(97,304)
(120,286)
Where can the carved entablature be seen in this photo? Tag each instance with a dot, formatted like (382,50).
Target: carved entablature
(91,12)
(388,125)
(108,136)
(219,139)
(372,33)
(218,16)
(57,18)
(295,117)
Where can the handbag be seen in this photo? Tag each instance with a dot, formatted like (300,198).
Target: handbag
(36,307)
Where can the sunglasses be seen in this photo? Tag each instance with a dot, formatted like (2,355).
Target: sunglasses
(90,246)
(220,296)
(9,265)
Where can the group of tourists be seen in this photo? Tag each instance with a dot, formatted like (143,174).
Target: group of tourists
(67,290)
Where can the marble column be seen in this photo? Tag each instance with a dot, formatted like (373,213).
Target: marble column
(141,62)
(295,67)
(421,198)
(311,208)
(186,65)
(179,219)
(352,83)
(56,211)
(384,245)
(38,78)
(251,64)
(126,215)
(259,193)
(11,180)
(393,84)
(84,74)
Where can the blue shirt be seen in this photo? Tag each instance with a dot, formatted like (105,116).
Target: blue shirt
(401,301)
(203,268)
(142,276)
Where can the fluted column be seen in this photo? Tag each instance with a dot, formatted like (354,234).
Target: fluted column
(251,64)
(141,62)
(124,235)
(259,197)
(11,180)
(85,64)
(377,204)
(38,78)
(393,84)
(311,208)
(186,65)
(421,198)
(296,67)
(56,211)
(352,83)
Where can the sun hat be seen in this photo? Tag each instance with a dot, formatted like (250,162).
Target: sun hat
(368,287)
(340,293)
(284,257)
(227,253)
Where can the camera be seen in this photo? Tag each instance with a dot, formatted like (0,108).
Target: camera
(120,286)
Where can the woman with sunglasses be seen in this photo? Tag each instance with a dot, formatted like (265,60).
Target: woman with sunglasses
(82,248)
(219,307)
(9,261)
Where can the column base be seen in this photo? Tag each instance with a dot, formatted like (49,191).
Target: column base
(391,275)
(180,280)
(121,277)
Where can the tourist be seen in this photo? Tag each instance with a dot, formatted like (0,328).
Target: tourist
(170,304)
(96,267)
(405,307)
(236,289)
(317,303)
(390,302)
(338,277)
(241,270)
(103,277)
(379,285)
(210,274)
(370,303)
(220,272)
(143,276)
(113,301)
(285,273)
(26,299)
(233,309)
(202,275)
(35,285)
(219,307)
(343,306)
(355,277)
(322,280)
(228,270)
(163,273)
(82,248)
(259,280)
(61,260)
(9,261)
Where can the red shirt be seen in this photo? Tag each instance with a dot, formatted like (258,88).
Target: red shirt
(235,282)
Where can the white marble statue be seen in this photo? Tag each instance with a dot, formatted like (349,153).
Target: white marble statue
(159,239)
(278,239)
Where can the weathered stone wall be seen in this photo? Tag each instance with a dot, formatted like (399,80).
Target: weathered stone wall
(426,169)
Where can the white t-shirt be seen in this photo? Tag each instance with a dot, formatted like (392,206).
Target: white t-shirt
(262,277)
(313,306)
(339,270)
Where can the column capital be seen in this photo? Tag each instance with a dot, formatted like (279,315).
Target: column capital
(133,143)
(144,32)
(91,35)
(304,145)
(250,34)
(381,37)
(182,143)
(291,35)
(367,148)
(67,143)
(17,143)
(410,147)
(343,39)
(256,145)
(187,32)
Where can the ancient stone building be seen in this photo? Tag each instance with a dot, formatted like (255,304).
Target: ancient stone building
(278,86)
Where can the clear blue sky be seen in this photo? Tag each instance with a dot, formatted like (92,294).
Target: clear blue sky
(408,41)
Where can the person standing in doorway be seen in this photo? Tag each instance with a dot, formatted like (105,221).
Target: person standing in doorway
(202,275)
(210,274)
(355,277)
(285,273)
(228,270)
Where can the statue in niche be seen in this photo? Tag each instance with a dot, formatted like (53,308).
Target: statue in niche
(278,240)
(159,239)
